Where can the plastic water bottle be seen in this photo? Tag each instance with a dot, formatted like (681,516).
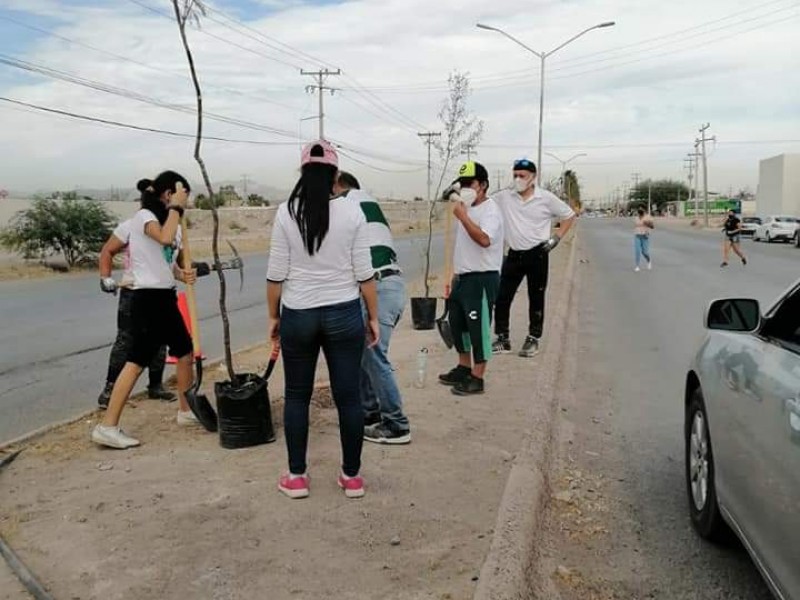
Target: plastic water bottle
(422,368)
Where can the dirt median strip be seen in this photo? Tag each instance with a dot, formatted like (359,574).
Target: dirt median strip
(509,571)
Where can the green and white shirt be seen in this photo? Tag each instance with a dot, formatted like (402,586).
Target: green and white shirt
(381,245)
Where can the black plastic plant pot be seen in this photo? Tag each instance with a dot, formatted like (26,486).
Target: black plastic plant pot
(245,415)
(423,313)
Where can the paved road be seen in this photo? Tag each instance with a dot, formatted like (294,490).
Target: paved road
(622,449)
(57,333)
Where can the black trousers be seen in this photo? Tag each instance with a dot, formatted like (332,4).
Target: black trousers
(124,341)
(534,266)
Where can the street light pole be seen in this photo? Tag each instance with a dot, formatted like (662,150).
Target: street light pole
(564,164)
(542,56)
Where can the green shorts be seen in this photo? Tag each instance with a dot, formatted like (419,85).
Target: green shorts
(470,307)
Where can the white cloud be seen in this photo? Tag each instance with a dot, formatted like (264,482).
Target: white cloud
(746,83)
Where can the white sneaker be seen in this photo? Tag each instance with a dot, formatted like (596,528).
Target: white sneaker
(113,437)
(650,265)
(187,419)
(636,270)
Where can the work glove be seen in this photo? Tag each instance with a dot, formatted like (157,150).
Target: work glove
(202,268)
(108,285)
(453,188)
(550,244)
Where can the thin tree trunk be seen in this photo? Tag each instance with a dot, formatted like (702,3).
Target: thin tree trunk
(226,329)
(431,212)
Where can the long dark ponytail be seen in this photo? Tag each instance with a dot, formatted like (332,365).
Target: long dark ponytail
(309,203)
(152,189)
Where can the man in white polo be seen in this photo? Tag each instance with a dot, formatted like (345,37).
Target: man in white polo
(528,213)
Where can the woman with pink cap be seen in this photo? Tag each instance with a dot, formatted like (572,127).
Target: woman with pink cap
(319,269)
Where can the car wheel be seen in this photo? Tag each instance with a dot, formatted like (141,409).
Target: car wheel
(796,240)
(703,507)
(769,239)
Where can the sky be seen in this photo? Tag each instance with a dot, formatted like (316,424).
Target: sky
(627,99)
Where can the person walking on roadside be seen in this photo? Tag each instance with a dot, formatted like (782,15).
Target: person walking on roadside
(641,238)
(731,231)
(118,243)
(528,212)
(319,270)
(154,239)
(477,258)
(384,420)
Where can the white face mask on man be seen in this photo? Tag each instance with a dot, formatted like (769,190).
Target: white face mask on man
(522,184)
(468,196)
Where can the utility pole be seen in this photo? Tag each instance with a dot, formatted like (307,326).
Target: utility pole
(498,173)
(690,163)
(636,177)
(703,139)
(320,86)
(468,149)
(245,179)
(649,196)
(428,136)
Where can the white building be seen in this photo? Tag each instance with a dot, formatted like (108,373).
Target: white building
(779,185)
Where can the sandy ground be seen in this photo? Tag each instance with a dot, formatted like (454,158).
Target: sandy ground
(180,517)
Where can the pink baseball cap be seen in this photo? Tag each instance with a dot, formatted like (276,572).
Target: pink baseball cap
(319,151)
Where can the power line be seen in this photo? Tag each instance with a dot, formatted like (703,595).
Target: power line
(640,144)
(99,120)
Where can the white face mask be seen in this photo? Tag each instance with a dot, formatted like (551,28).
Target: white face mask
(468,196)
(521,185)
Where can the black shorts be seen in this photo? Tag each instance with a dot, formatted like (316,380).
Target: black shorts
(157,322)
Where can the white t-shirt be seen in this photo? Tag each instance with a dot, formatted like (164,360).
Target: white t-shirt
(333,273)
(123,232)
(150,262)
(469,256)
(527,222)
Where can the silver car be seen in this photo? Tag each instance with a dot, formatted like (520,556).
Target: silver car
(742,433)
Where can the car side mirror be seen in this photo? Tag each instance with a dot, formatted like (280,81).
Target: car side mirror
(734,314)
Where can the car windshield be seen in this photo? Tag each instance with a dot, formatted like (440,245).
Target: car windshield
(751,220)
(786,219)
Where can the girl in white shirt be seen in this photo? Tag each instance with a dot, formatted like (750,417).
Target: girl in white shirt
(319,269)
(154,243)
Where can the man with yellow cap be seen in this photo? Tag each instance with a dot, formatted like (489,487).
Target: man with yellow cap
(477,260)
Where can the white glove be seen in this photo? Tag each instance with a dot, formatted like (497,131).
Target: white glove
(108,285)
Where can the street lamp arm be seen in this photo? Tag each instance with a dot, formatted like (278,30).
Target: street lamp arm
(570,159)
(575,37)
(509,36)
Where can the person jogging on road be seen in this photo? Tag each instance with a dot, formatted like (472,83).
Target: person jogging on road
(528,212)
(641,238)
(118,243)
(154,247)
(732,230)
(477,258)
(384,420)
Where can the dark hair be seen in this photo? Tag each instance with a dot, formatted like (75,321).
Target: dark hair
(641,211)
(348,180)
(152,189)
(309,203)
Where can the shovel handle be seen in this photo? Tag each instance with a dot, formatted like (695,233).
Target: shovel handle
(186,253)
(448,249)
(273,358)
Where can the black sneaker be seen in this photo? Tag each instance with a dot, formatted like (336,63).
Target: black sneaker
(468,387)
(744,261)
(381,434)
(501,345)
(530,347)
(105,396)
(372,419)
(159,393)
(723,265)
(454,376)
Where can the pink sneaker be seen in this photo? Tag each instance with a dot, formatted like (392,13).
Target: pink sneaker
(294,487)
(353,486)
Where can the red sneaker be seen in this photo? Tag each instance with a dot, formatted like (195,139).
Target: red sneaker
(294,487)
(353,486)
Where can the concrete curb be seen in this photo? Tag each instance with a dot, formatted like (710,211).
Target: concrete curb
(44,429)
(509,572)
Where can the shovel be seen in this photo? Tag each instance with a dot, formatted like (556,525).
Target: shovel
(443,322)
(198,402)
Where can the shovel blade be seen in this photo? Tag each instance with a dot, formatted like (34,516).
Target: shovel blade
(443,325)
(202,409)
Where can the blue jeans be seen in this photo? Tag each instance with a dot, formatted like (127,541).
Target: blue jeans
(379,391)
(641,245)
(338,330)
